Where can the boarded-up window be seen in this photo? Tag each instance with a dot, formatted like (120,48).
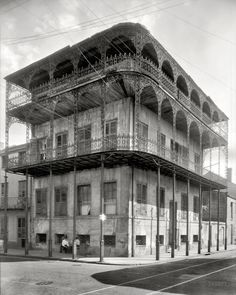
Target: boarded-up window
(84,199)
(60,201)
(110,196)
(41,202)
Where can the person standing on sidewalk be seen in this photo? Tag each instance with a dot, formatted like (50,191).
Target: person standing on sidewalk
(64,245)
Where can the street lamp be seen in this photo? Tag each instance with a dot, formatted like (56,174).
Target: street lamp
(102,218)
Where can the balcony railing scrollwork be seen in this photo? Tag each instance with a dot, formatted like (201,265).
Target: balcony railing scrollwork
(112,143)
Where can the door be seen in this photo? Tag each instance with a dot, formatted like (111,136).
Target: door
(21,231)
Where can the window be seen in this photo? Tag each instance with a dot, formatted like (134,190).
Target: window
(184,205)
(41,202)
(42,148)
(41,238)
(163,144)
(84,140)
(4,162)
(141,193)
(141,240)
(231,210)
(195,238)
(195,207)
(21,189)
(197,162)
(84,199)
(58,238)
(110,240)
(3,189)
(84,239)
(110,192)
(61,201)
(183,238)
(161,239)
(111,134)
(22,158)
(21,227)
(143,136)
(61,144)
(162,201)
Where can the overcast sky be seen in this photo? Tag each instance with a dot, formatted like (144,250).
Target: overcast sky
(199,34)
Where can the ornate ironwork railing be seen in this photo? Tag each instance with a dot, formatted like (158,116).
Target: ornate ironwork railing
(12,203)
(167,84)
(183,98)
(206,119)
(195,109)
(112,143)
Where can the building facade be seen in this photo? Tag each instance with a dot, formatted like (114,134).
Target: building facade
(14,196)
(116,128)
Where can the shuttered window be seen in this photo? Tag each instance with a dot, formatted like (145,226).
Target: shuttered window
(41,202)
(61,201)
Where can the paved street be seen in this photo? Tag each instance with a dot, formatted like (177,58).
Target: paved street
(213,274)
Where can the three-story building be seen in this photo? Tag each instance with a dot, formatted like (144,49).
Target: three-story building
(119,129)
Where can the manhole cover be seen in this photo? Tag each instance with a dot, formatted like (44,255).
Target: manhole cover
(44,283)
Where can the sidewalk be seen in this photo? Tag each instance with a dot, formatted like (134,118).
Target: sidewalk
(150,259)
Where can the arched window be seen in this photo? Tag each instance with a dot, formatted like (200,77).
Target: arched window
(167,70)
(206,109)
(63,68)
(89,57)
(120,45)
(195,98)
(182,85)
(167,111)
(149,99)
(149,52)
(39,78)
(215,117)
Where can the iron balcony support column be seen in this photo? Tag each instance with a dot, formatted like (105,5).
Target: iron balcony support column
(50,214)
(173,219)
(226,216)
(74,249)
(187,221)
(132,208)
(5,215)
(218,221)
(102,210)
(200,220)
(158,213)
(209,223)
(26,214)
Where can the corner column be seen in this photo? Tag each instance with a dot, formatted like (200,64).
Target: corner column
(209,223)
(26,214)
(50,214)
(158,213)
(200,220)
(218,222)
(226,216)
(187,221)
(102,210)
(5,214)
(173,218)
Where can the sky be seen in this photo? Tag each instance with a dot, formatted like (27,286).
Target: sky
(199,34)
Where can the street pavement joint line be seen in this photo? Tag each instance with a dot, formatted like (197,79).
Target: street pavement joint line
(150,277)
(190,280)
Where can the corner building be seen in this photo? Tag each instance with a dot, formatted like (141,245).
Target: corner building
(115,126)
